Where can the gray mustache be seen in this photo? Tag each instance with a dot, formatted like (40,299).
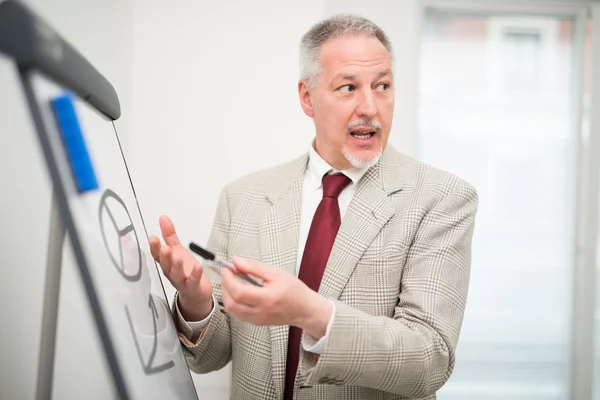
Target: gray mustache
(364,122)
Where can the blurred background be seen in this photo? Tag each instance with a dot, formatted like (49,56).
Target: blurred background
(505,94)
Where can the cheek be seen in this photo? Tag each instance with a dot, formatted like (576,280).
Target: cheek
(336,120)
(386,113)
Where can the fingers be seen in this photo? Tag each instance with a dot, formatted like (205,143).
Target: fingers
(237,291)
(168,231)
(154,247)
(195,276)
(253,267)
(165,261)
(237,309)
(227,280)
(177,272)
(172,264)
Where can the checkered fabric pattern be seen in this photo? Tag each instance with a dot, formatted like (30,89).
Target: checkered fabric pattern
(398,273)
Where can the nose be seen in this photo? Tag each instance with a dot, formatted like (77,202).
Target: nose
(366,108)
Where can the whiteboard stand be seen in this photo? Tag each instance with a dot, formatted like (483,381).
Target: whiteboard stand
(44,59)
(56,239)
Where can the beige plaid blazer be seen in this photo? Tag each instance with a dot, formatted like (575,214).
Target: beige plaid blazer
(398,274)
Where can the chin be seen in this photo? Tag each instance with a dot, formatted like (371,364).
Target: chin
(362,158)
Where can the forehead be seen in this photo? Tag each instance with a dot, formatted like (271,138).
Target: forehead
(354,53)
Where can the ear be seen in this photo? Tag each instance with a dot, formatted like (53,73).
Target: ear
(305,99)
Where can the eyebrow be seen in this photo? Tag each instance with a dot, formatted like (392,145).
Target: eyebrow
(384,73)
(353,77)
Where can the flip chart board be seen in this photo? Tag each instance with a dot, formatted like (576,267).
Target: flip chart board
(73,108)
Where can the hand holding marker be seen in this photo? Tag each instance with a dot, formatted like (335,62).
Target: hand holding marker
(207,255)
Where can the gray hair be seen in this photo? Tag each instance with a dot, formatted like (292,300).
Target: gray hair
(336,26)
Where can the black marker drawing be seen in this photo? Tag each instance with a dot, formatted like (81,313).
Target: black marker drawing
(148,368)
(106,208)
(121,232)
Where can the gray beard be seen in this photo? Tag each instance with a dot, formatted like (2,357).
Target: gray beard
(357,162)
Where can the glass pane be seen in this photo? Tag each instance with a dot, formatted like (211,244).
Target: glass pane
(496,109)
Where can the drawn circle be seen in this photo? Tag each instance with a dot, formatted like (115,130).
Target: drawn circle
(115,223)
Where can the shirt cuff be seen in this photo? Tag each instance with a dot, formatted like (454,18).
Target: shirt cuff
(312,345)
(193,329)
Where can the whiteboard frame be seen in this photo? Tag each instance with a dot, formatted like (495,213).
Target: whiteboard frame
(38,50)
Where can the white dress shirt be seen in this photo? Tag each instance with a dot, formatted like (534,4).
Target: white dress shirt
(312,194)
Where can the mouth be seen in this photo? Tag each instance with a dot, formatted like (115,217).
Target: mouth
(363,133)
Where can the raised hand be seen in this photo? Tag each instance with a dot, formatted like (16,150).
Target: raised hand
(184,272)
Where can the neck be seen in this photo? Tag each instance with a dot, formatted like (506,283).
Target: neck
(339,163)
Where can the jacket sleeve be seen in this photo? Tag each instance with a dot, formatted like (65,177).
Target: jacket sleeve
(411,354)
(212,350)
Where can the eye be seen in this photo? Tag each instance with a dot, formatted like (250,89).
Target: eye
(347,88)
(383,86)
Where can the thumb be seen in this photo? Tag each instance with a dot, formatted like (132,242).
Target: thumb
(168,231)
(252,267)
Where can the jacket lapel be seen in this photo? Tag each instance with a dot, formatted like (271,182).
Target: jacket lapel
(367,213)
(278,241)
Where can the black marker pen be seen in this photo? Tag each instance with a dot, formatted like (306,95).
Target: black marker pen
(207,255)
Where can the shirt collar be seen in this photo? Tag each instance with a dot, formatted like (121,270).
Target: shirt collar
(317,167)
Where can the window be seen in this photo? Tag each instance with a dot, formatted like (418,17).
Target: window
(496,109)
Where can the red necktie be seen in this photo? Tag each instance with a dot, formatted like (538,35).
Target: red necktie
(321,236)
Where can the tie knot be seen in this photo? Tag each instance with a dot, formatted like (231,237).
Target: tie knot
(334,184)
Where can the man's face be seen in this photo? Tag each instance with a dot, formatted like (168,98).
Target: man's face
(352,102)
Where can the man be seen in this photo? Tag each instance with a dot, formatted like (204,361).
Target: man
(364,273)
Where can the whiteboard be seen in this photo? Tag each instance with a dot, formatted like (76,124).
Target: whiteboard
(110,244)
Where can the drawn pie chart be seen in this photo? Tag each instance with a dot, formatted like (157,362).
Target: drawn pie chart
(119,236)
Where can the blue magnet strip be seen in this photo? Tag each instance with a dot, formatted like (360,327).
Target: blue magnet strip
(74,143)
